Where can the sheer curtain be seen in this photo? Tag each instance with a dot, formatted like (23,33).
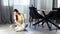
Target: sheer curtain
(23,7)
(6,7)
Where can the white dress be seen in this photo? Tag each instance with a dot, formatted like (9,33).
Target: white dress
(20,26)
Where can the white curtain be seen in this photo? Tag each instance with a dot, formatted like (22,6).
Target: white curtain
(23,7)
(6,11)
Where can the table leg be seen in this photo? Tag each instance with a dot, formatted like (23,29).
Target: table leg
(48,26)
(43,23)
(54,24)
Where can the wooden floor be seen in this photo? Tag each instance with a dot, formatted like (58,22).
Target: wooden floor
(4,29)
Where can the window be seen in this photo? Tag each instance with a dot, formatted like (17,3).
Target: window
(58,3)
(8,2)
(5,2)
(15,2)
(21,2)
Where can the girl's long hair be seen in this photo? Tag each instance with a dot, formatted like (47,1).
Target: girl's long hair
(15,10)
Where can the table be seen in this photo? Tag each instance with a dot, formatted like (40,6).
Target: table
(47,19)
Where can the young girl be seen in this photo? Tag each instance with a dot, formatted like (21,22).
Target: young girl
(19,21)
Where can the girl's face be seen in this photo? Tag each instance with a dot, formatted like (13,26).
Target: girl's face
(14,13)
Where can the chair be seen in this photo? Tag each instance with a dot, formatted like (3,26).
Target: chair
(34,15)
